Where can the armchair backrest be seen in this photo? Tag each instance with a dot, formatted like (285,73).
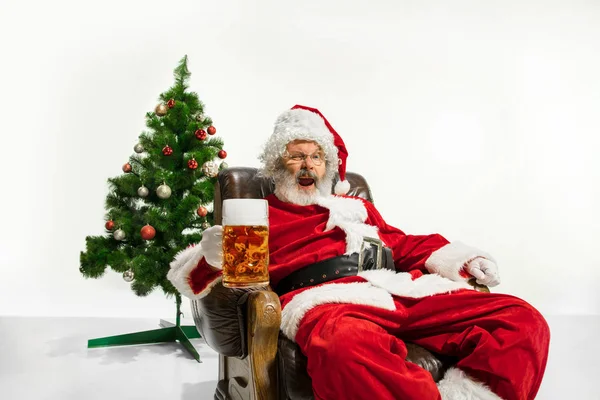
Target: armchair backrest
(245,183)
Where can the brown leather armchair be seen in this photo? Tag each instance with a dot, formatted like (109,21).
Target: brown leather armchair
(242,325)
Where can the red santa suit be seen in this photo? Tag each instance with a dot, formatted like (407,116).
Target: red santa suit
(353,329)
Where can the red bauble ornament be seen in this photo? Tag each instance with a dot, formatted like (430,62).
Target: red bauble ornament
(202,211)
(167,150)
(212,130)
(110,224)
(148,232)
(200,134)
(192,164)
(171,103)
(127,168)
(222,154)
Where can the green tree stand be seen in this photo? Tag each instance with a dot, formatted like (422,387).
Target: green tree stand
(168,333)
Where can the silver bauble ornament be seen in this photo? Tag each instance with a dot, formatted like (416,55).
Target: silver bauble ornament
(205,225)
(119,234)
(138,148)
(199,117)
(210,169)
(223,165)
(128,276)
(143,191)
(163,191)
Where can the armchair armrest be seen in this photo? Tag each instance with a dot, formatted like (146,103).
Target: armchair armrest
(264,320)
(242,324)
(222,317)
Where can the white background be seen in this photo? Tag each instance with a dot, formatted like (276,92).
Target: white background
(477,120)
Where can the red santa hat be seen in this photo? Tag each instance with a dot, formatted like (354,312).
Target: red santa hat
(306,123)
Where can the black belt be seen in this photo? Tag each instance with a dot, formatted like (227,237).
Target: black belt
(373,256)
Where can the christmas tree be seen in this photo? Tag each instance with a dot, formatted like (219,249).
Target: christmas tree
(160,204)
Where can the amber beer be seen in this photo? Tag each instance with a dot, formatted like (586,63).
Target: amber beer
(245,243)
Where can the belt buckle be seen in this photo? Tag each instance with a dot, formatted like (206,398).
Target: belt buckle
(372,241)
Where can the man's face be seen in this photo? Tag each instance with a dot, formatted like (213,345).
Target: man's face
(305,161)
(302,177)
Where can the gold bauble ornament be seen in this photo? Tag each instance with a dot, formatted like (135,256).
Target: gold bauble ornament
(161,110)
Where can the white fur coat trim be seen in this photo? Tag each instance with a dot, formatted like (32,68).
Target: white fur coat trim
(376,292)
(456,385)
(349,215)
(343,293)
(181,267)
(451,259)
(401,283)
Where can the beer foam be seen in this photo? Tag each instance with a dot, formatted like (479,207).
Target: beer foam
(245,212)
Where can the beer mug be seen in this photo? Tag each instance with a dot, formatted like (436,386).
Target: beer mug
(245,243)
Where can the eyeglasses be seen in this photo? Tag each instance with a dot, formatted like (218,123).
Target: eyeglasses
(316,158)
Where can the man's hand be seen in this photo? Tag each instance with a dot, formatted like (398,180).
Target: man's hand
(211,243)
(484,271)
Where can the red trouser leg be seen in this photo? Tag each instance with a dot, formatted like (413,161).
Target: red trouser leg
(351,356)
(499,340)
(354,352)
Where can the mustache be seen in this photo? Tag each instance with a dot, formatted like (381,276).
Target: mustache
(304,173)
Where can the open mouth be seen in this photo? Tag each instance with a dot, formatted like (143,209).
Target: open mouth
(305,181)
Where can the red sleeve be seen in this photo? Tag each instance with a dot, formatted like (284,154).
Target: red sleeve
(409,251)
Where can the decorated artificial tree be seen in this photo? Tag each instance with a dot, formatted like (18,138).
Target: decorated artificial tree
(159,205)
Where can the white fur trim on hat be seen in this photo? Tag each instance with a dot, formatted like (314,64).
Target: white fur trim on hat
(449,260)
(297,124)
(456,385)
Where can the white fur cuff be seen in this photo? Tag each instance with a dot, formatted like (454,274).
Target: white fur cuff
(182,265)
(451,259)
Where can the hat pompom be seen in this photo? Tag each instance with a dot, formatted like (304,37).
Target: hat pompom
(342,187)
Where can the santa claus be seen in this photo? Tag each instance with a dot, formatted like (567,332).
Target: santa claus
(353,288)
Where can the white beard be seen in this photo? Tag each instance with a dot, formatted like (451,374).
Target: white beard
(286,189)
